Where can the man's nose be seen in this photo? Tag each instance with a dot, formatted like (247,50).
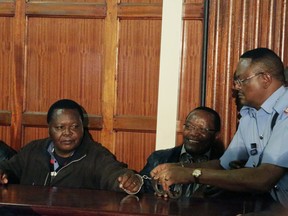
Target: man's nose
(67,131)
(194,132)
(236,86)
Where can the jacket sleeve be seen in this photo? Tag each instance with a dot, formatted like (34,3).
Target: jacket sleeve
(107,169)
(6,152)
(13,168)
(152,162)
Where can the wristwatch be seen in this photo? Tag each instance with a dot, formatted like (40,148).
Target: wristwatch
(196,174)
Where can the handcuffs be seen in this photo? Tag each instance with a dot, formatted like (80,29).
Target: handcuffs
(174,194)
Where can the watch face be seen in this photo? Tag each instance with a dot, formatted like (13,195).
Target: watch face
(196,172)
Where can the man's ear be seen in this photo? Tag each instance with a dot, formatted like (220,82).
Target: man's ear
(217,135)
(267,80)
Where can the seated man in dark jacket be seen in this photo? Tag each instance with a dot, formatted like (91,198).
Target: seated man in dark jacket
(69,157)
(6,152)
(200,132)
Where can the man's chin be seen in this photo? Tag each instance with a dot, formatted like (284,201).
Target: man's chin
(191,146)
(242,102)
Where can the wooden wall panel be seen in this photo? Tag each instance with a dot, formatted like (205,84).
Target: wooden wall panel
(234,27)
(139,10)
(62,9)
(64,60)
(7,8)
(141,2)
(70,1)
(190,80)
(6,71)
(6,61)
(134,148)
(110,65)
(32,133)
(5,134)
(138,67)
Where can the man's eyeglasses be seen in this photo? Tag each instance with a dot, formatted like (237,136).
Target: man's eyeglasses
(201,130)
(240,82)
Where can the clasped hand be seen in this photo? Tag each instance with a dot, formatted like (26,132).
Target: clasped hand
(169,174)
(131,183)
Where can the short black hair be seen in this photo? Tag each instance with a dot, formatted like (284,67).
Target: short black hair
(64,104)
(269,59)
(217,119)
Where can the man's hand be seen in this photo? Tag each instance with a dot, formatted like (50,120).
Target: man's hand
(162,167)
(3,177)
(169,174)
(130,182)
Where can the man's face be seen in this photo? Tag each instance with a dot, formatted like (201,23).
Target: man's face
(66,131)
(247,83)
(199,132)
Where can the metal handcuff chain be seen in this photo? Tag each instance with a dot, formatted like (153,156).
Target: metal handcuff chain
(158,189)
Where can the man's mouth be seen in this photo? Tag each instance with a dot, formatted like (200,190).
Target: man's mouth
(192,141)
(240,95)
(67,142)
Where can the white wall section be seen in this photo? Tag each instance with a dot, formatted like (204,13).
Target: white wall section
(170,61)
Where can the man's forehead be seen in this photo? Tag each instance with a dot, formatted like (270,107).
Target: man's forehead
(199,114)
(58,111)
(63,112)
(243,65)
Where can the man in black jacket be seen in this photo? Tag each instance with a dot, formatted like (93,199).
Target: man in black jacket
(200,133)
(69,157)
